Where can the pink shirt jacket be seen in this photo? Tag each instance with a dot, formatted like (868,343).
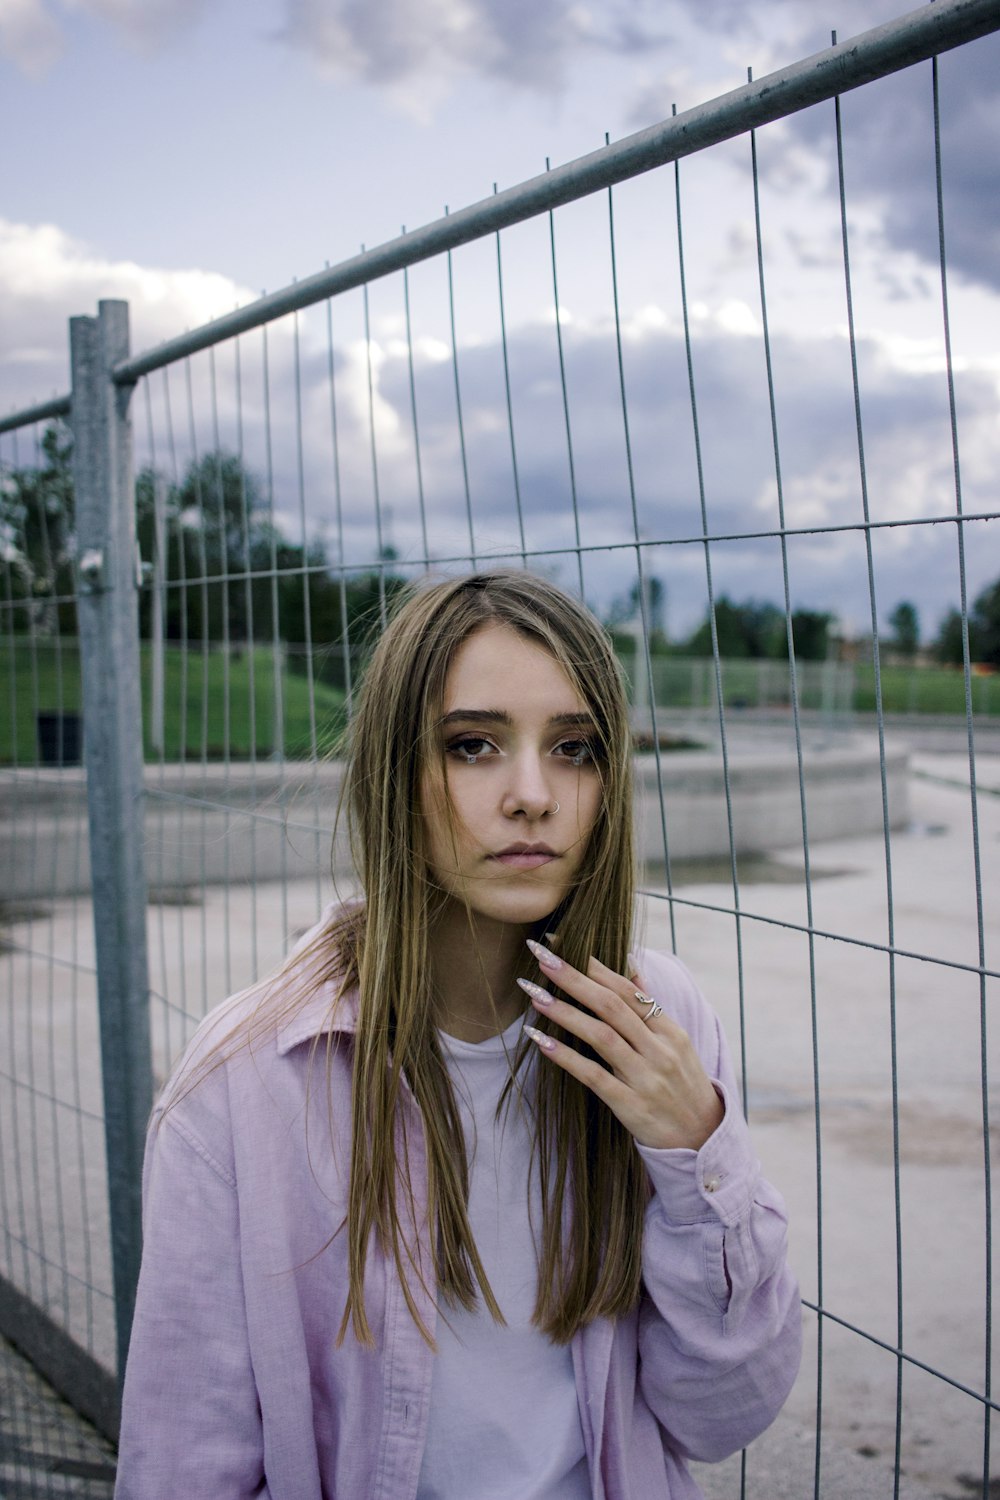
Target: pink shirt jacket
(234,1384)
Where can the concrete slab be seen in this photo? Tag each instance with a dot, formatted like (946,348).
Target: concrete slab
(51,1146)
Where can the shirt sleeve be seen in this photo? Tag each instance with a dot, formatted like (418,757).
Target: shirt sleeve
(720,1325)
(190,1416)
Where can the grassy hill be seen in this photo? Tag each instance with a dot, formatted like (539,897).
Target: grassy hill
(214,705)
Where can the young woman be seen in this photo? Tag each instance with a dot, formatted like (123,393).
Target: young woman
(462,1205)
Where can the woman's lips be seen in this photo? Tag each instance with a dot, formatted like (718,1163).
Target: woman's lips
(525,856)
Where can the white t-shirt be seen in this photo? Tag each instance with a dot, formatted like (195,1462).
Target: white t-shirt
(504,1417)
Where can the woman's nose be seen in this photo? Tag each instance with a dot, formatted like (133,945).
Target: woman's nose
(528,793)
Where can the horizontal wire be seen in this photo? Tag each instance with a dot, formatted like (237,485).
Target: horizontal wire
(834,937)
(910,1359)
(80,1110)
(54,1265)
(16,950)
(438,559)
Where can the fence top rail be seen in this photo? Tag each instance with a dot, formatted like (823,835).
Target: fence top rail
(936,27)
(44,411)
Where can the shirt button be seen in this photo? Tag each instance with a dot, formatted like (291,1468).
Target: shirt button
(712,1184)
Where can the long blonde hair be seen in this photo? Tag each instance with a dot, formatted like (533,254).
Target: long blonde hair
(589,1260)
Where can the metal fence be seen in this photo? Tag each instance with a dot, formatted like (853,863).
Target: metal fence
(248,496)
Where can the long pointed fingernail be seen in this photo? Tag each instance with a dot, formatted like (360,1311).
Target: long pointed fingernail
(535,991)
(547,959)
(545,1042)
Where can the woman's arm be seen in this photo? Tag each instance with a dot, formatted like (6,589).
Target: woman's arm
(720,1328)
(720,1325)
(190,1417)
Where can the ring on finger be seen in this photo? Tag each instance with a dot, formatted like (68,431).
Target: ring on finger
(655,1009)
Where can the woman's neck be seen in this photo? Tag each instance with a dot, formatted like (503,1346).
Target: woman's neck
(474,966)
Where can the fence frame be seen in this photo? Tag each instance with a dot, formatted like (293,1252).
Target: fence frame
(103,376)
(108,623)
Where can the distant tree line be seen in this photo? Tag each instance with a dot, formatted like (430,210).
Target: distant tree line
(232,574)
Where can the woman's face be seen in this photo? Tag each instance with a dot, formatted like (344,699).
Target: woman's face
(516,763)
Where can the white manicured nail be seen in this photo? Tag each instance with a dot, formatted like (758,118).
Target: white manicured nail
(545,958)
(545,1042)
(536,992)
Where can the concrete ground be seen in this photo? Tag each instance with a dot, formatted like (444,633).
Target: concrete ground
(46,1450)
(202,948)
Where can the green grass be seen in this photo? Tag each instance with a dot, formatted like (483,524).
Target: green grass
(209,702)
(681,682)
(926,690)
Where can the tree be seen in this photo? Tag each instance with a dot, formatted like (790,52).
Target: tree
(810,634)
(905,623)
(984,631)
(750,629)
(625,609)
(986,619)
(38,537)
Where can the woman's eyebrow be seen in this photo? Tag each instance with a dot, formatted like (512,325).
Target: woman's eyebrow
(501,716)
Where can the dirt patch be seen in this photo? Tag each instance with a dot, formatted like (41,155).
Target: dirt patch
(751,869)
(13,913)
(928,1137)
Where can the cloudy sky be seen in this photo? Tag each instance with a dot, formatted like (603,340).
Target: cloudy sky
(189,154)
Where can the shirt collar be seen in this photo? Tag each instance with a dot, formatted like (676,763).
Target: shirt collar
(322,1014)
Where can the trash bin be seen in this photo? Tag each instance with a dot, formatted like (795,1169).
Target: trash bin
(60,739)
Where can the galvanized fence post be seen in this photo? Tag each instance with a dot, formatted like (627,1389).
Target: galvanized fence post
(112,712)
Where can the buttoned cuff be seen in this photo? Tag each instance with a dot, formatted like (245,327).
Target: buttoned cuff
(718,1181)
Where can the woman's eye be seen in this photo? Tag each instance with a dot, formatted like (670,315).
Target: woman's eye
(469,749)
(577,752)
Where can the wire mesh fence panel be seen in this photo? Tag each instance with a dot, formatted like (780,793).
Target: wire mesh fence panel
(55,1281)
(742,453)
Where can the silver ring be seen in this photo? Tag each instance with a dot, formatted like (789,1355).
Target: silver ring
(556,808)
(655,1009)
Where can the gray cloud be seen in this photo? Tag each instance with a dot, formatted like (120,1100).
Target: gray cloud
(526,42)
(908,458)
(889,158)
(32,37)
(888,125)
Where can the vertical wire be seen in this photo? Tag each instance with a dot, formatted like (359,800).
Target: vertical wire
(249,649)
(416,426)
(81,1238)
(15,1111)
(86,1237)
(793,684)
(713,625)
(277,655)
(307,606)
(9,612)
(50,563)
(379,536)
(29,995)
(227,685)
(338,496)
(205,671)
(158,603)
(565,402)
(974,801)
(510,408)
(183,661)
(640,573)
(458,408)
(277,697)
(223,561)
(876,658)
